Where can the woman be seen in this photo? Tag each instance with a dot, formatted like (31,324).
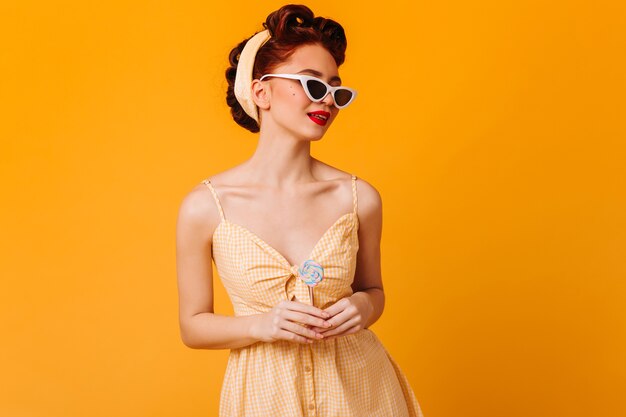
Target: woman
(282,230)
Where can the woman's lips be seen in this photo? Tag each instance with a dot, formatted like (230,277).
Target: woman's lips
(319,117)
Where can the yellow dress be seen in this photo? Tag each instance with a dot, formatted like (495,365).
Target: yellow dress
(350,375)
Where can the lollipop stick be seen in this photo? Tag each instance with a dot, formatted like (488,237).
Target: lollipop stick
(311,294)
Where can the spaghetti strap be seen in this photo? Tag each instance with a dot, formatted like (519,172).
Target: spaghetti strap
(207,182)
(354,199)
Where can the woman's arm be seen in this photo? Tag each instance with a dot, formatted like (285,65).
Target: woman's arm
(200,327)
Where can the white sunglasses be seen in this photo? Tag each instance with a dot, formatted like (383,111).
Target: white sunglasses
(317,89)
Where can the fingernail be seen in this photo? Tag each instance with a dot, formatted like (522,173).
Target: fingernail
(327,324)
(319,335)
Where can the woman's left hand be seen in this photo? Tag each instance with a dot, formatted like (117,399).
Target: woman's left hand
(348,315)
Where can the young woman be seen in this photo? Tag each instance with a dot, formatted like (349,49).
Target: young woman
(296,243)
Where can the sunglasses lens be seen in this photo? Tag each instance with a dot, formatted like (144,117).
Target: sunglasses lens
(316,89)
(343,97)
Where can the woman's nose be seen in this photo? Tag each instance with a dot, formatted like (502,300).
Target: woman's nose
(328,99)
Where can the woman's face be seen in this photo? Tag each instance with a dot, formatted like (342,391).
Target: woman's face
(290,107)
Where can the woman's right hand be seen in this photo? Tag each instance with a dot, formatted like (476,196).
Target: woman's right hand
(284,322)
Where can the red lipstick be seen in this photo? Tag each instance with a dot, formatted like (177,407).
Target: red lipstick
(320,117)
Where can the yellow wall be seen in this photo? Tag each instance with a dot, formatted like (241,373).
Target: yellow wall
(494,132)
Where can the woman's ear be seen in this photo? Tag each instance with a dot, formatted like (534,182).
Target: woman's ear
(261,94)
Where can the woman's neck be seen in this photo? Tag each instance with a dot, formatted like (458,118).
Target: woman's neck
(281,162)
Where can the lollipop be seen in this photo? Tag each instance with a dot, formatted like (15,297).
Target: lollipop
(312,274)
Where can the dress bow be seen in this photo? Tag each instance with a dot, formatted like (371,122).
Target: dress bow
(296,288)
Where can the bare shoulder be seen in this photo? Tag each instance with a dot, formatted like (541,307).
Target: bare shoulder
(368,198)
(198,213)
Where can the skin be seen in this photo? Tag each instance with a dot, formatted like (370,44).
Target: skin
(295,198)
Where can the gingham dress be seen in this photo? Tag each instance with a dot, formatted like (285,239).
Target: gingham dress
(351,375)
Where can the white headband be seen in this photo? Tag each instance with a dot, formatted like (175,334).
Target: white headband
(243,79)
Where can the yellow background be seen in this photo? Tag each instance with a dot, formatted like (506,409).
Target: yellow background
(493,130)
